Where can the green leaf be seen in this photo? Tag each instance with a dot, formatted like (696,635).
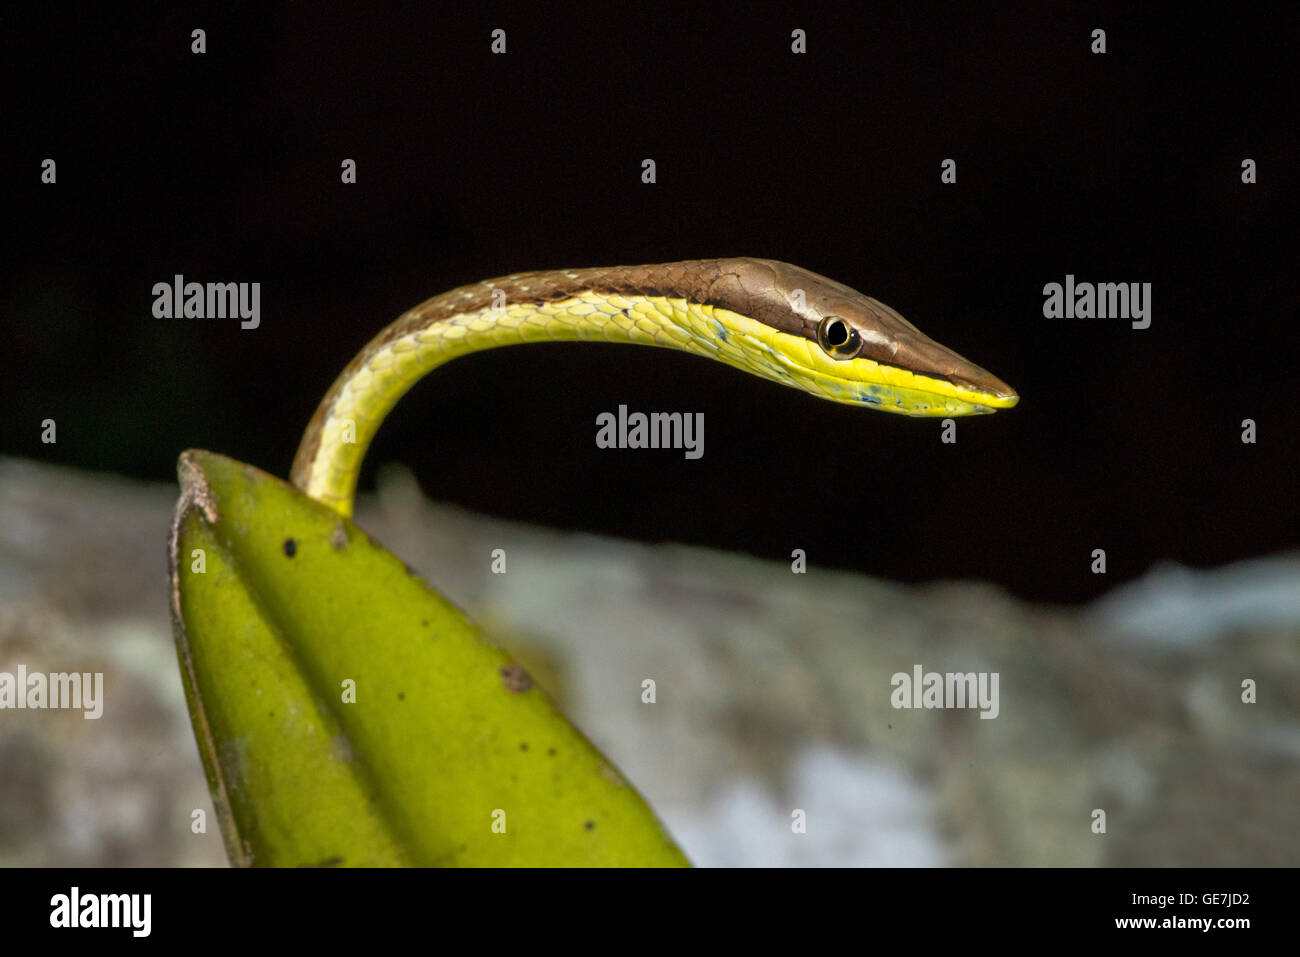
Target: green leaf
(447,755)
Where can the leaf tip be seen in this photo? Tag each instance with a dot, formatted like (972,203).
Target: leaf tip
(194,486)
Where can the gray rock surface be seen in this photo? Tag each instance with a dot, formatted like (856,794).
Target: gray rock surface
(773,693)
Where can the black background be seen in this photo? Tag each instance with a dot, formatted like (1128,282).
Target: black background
(1123,167)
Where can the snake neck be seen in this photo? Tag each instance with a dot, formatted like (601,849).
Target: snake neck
(328,461)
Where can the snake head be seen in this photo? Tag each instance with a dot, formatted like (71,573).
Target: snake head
(848,347)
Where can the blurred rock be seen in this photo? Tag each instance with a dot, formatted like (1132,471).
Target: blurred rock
(773,694)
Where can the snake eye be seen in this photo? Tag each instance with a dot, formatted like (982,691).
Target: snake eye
(838,338)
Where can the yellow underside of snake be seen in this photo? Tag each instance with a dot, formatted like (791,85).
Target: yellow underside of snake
(792,326)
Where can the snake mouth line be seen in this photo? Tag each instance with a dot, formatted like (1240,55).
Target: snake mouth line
(887,387)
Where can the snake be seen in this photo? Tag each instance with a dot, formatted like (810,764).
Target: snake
(768,318)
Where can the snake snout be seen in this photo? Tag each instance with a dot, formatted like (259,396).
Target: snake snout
(925,357)
(985,384)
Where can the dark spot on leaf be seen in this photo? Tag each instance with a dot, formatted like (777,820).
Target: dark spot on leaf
(551,752)
(290,547)
(515,678)
(523,745)
(401,696)
(590,825)
(424,623)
